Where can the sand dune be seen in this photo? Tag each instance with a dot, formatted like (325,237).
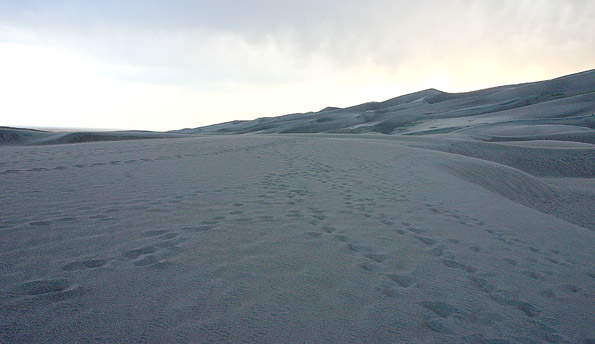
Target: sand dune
(289,238)
(467,227)
(19,136)
(568,100)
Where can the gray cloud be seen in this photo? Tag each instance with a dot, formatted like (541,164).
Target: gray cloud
(237,40)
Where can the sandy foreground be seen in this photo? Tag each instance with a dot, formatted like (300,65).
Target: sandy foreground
(298,238)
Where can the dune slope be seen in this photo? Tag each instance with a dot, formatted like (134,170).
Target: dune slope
(511,110)
(296,238)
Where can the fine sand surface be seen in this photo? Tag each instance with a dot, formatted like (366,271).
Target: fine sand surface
(466,237)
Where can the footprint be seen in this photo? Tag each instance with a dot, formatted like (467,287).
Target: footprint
(525,307)
(84,264)
(168,236)
(482,284)
(436,325)
(314,234)
(425,240)
(533,275)
(98,217)
(38,169)
(39,223)
(294,213)
(342,238)
(400,231)
(41,287)
(266,218)
(495,341)
(456,265)
(132,254)
(440,308)
(66,219)
(548,293)
(416,230)
(510,261)
(569,288)
(475,248)
(147,260)
(377,257)
(367,266)
(402,281)
(11,171)
(354,247)
(197,228)
(155,232)
(437,251)
(329,229)
(167,243)
(387,291)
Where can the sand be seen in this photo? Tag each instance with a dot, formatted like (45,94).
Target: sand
(471,223)
(295,238)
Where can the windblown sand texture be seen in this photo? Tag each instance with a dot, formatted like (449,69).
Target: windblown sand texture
(471,223)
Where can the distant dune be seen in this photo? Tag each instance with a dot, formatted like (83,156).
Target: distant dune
(19,136)
(502,113)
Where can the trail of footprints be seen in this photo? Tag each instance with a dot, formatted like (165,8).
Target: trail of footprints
(164,157)
(164,244)
(371,260)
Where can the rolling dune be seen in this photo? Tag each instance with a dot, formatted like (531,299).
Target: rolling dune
(471,222)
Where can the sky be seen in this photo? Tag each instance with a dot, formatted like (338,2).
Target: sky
(163,65)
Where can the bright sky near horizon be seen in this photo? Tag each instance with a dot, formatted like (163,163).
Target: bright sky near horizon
(161,65)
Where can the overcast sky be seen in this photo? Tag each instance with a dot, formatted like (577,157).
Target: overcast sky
(161,65)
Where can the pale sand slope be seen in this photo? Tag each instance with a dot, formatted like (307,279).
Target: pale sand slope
(297,239)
